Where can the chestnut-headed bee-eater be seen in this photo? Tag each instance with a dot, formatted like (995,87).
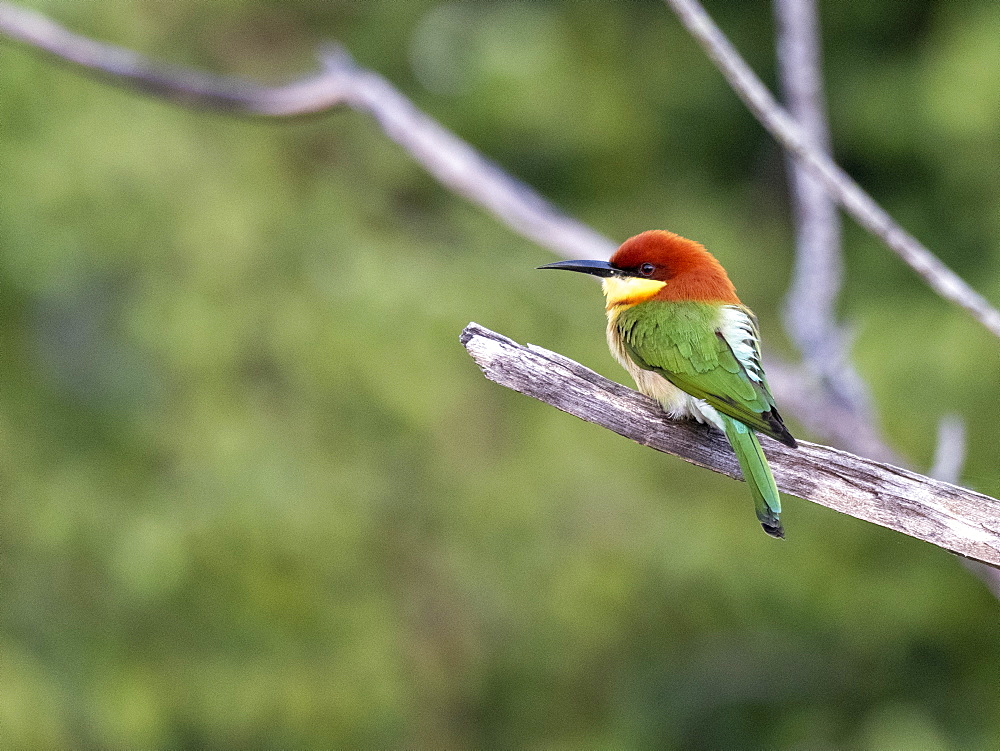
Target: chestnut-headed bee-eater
(676,325)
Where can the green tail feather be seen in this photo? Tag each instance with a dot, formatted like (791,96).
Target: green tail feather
(757,474)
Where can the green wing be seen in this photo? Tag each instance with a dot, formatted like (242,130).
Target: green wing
(700,351)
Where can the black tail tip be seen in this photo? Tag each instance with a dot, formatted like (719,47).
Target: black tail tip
(778,430)
(786,438)
(774,529)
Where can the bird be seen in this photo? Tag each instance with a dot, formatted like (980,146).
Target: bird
(678,328)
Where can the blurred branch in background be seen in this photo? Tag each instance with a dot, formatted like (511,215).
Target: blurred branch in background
(341,83)
(950,453)
(950,517)
(838,183)
(811,304)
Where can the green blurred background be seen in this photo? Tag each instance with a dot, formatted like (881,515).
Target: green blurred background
(254,492)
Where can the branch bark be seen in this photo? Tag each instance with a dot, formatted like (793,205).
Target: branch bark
(837,182)
(953,518)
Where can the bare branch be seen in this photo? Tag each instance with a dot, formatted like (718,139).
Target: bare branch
(811,303)
(442,153)
(182,85)
(341,84)
(950,517)
(840,185)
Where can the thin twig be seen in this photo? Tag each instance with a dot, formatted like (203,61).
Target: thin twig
(182,85)
(840,185)
(956,519)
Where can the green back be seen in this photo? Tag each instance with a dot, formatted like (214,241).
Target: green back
(682,342)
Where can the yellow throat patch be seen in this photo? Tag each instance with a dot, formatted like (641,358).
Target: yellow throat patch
(622,293)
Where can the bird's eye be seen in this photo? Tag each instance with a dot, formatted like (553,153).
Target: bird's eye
(647,269)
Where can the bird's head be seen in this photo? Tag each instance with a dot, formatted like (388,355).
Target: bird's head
(658,265)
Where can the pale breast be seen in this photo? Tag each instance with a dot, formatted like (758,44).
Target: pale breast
(676,403)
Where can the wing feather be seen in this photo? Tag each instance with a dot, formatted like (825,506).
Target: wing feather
(712,355)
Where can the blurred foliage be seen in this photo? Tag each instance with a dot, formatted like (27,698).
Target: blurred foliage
(254,493)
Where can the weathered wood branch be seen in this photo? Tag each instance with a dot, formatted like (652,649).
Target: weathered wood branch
(956,519)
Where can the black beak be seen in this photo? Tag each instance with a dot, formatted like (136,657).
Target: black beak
(595,268)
